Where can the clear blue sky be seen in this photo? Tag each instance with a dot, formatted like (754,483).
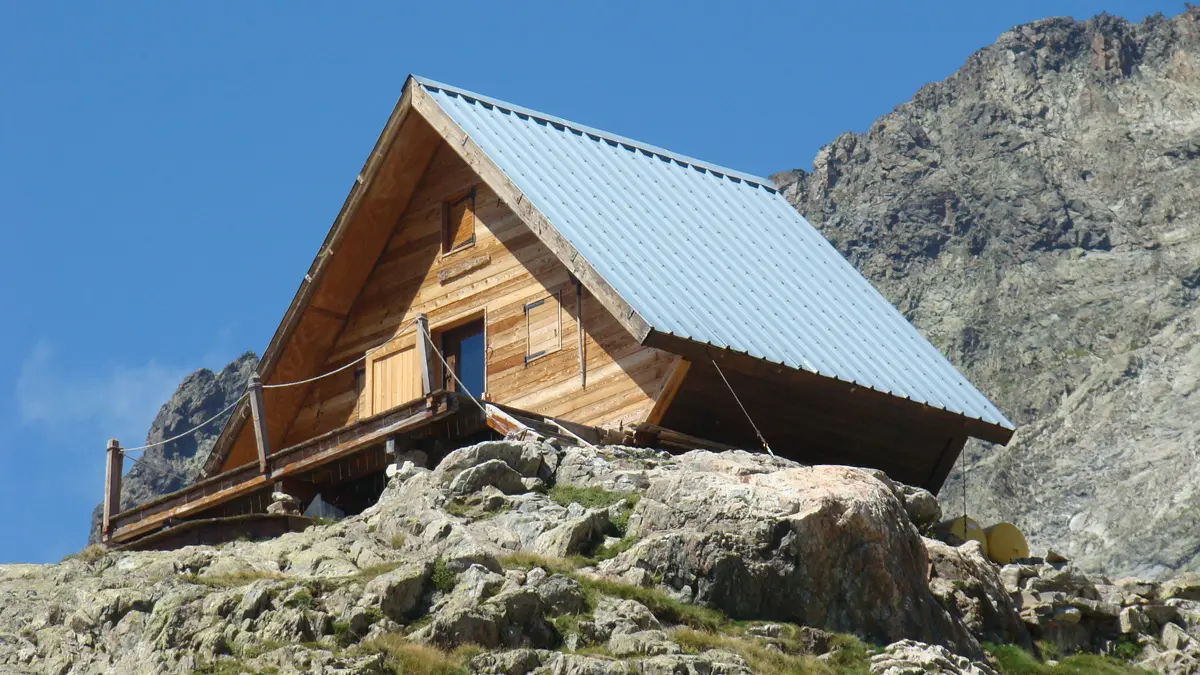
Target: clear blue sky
(167,170)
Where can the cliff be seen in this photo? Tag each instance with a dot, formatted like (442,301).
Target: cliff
(1035,214)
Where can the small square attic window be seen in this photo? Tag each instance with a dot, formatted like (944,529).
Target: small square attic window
(458,222)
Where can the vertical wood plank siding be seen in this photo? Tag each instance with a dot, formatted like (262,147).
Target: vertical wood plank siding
(623,376)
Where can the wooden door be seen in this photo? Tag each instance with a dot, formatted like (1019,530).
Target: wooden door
(395,380)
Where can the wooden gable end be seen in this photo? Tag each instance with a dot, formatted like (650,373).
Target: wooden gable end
(502,271)
(300,348)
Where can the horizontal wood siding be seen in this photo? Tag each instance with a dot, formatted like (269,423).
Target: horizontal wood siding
(506,268)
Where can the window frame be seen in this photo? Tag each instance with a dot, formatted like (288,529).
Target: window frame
(531,357)
(468,196)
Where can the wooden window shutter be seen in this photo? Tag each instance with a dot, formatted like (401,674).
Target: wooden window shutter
(458,222)
(395,380)
(543,327)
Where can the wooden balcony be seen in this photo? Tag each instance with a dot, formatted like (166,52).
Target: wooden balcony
(301,459)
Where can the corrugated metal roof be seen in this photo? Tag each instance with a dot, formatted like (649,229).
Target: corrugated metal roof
(711,254)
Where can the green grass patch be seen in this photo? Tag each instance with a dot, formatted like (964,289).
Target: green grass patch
(604,552)
(442,578)
(397,540)
(567,624)
(589,497)
(411,658)
(1016,661)
(457,507)
(523,560)
(230,579)
(663,606)
(301,599)
(368,573)
(850,659)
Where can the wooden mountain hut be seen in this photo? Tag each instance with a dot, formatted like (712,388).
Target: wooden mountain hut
(568,279)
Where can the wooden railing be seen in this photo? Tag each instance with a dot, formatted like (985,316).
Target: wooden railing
(271,466)
(291,461)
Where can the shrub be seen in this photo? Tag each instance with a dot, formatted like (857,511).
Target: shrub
(88,554)
(342,635)
(442,578)
(301,599)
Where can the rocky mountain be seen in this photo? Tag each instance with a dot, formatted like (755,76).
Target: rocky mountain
(167,468)
(510,558)
(1037,215)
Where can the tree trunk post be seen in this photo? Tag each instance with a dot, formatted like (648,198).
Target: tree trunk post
(112,487)
(260,423)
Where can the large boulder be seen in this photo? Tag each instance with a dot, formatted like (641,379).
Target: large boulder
(764,538)
(963,577)
(528,459)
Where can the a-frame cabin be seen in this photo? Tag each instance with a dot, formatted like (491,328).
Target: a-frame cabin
(566,273)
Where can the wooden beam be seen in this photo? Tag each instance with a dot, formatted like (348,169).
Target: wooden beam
(259,421)
(317,309)
(666,393)
(511,195)
(652,434)
(112,486)
(501,422)
(425,354)
(941,471)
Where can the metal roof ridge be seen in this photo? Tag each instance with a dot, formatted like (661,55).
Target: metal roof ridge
(600,133)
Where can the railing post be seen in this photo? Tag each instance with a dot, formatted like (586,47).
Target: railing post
(112,487)
(259,422)
(425,354)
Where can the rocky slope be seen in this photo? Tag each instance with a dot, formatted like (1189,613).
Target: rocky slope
(520,557)
(166,468)
(1037,215)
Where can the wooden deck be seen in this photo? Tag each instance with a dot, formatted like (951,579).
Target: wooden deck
(302,458)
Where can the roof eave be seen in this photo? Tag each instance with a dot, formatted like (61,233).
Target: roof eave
(949,419)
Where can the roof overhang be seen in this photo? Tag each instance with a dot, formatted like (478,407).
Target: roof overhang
(849,392)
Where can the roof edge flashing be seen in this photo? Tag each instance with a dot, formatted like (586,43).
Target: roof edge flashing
(629,144)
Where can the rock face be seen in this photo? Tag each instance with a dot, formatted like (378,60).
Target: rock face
(823,546)
(200,396)
(720,563)
(1035,214)
(446,560)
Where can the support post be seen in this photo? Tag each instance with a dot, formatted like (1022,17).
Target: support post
(259,422)
(425,354)
(579,329)
(112,487)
